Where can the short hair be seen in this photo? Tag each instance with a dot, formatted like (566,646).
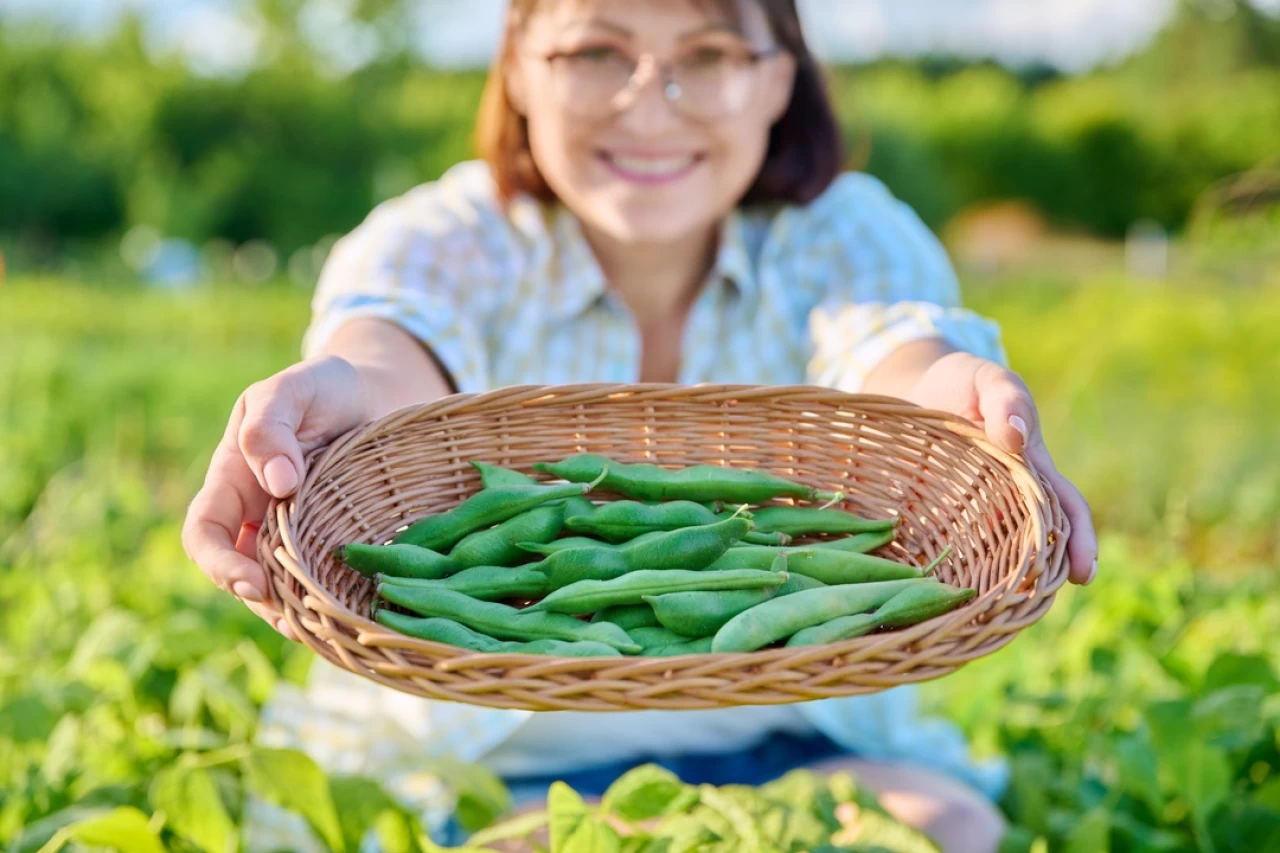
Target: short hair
(805,153)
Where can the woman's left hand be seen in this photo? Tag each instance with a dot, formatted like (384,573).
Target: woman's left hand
(998,401)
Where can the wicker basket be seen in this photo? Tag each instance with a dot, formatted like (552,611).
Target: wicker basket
(948,484)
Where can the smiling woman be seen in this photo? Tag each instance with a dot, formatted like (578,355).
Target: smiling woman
(660,199)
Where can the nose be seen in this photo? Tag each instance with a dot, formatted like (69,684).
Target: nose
(648,108)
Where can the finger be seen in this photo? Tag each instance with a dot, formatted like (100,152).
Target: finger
(213,523)
(1082,545)
(268,437)
(1008,412)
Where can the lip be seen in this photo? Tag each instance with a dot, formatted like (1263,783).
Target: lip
(610,159)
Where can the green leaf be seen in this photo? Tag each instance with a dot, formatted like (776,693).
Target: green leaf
(482,799)
(1269,794)
(747,834)
(1204,774)
(1232,669)
(643,793)
(565,810)
(1229,716)
(194,809)
(517,827)
(125,829)
(28,719)
(365,806)
(291,780)
(36,835)
(1092,834)
(683,833)
(1136,763)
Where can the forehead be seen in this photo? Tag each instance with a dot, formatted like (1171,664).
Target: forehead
(744,16)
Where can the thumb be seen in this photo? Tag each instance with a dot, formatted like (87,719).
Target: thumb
(292,412)
(1008,413)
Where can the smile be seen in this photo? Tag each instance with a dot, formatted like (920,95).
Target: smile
(651,170)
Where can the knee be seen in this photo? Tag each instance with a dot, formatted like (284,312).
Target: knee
(967,824)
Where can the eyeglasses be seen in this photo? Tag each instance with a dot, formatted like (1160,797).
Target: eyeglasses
(705,83)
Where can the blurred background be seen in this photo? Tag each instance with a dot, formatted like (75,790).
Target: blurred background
(1105,175)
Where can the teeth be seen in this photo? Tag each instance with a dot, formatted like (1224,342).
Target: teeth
(652,167)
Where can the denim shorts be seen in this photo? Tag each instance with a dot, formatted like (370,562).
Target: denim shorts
(775,756)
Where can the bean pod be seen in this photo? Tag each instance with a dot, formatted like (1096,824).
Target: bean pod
(701,483)
(590,595)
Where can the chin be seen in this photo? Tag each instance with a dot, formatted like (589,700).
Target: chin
(661,224)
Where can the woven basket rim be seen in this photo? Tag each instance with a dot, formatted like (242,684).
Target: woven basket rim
(335,631)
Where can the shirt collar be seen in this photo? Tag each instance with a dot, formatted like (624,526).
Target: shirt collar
(578,281)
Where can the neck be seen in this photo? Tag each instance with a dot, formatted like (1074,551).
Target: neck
(657,281)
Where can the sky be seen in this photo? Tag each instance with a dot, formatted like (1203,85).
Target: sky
(1073,35)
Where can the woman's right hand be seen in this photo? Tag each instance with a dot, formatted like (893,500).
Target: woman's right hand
(274,423)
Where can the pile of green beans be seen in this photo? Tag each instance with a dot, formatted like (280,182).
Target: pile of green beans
(688,561)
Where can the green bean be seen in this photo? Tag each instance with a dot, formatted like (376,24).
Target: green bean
(497,545)
(549,548)
(574,564)
(803,520)
(486,583)
(913,605)
(701,614)
(590,595)
(689,548)
(775,539)
(862,543)
(621,521)
(828,566)
(649,482)
(402,561)
(437,630)
(700,646)
(561,648)
(503,622)
(655,638)
(485,508)
(835,630)
(628,616)
(495,476)
(779,618)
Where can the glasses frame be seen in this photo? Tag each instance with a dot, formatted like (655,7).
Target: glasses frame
(663,71)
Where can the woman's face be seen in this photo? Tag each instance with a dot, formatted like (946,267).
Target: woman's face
(660,159)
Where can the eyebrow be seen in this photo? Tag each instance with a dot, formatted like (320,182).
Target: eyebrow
(605,23)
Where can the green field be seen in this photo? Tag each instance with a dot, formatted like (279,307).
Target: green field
(1141,714)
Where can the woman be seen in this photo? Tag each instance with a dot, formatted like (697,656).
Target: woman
(659,201)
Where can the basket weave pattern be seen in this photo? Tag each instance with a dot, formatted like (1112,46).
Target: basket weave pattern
(935,471)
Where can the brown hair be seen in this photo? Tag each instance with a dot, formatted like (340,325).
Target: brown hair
(805,151)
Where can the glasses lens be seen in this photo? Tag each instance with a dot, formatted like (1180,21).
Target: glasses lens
(591,80)
(713,82)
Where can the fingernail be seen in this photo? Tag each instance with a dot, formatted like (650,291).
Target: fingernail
(247,591)
(1019,424)
(1093,572)
(280,476)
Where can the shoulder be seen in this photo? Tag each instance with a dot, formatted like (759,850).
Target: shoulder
(853,199)
(454,224)
(855,237)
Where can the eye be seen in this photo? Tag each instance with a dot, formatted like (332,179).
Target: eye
(705,56)
(595,55)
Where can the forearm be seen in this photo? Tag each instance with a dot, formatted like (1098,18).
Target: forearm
(900,371)
(398,370)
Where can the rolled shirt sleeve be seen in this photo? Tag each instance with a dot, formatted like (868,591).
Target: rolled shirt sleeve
(434,261)
(886,281)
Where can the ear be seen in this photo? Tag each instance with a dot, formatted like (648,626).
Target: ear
(513,81)
(513,71)
(782,84)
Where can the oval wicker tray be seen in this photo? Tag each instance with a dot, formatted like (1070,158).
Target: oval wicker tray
(936,471)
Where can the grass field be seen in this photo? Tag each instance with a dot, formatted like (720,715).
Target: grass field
(1141,713)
